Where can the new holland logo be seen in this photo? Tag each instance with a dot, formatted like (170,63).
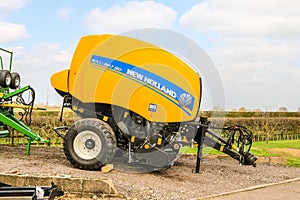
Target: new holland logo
(185,99)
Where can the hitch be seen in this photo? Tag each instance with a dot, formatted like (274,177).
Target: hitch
(237,145)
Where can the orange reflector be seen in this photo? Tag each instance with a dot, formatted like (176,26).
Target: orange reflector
(184,139)
(159,140)
(132,139)
(222,148)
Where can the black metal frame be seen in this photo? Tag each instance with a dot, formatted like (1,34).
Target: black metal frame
(201,132)
(199,138)
(30,191)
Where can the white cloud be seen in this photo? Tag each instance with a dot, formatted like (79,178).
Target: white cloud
(241,50)
(257,17)
(132,15)
(36,64)
(258,72)
(255,46)
(7,6)
(12,32)
(64,13)
(49,56)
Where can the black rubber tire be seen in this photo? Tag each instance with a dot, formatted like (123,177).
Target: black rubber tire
(3,76)
(15,80)
(105,134)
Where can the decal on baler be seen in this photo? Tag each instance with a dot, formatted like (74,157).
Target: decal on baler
(157,83)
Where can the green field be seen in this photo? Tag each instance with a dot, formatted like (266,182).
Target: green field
(206,150)
(289,149)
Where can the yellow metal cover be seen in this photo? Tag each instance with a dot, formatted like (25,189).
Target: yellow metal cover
(135,75)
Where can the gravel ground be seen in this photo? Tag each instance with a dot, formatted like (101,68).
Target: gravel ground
(177,182)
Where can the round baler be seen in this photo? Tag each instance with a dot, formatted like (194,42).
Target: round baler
(132,96)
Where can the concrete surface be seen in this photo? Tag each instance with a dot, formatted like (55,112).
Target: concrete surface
(286,190)
(78,186)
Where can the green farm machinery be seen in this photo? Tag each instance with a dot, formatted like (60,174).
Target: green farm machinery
(11,98)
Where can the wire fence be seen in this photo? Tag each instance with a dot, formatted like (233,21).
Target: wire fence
(276,137)
(21,140)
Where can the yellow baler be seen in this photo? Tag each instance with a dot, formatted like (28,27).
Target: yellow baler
(132,74)
(132,95)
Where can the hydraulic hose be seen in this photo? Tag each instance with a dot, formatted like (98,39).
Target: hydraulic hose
(25,115)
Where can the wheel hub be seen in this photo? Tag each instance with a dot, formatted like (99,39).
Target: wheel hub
(87,145)
(8,80)
(90,144)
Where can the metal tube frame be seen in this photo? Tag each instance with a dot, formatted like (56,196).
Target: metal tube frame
(11,58)
(7,117)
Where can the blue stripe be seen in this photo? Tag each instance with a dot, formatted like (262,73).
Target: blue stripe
(154,82)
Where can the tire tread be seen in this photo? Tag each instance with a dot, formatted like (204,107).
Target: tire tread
(110,143)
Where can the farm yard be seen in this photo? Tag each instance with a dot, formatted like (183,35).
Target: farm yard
(142,75)
(218,173)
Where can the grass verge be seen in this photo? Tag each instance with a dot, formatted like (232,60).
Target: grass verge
(290,149)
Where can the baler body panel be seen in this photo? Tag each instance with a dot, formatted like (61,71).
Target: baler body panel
(60,81)
(135,75)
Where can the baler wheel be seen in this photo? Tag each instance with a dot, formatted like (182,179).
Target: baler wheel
(89,144)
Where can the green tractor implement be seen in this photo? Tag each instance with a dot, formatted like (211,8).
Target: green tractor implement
(10,98)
